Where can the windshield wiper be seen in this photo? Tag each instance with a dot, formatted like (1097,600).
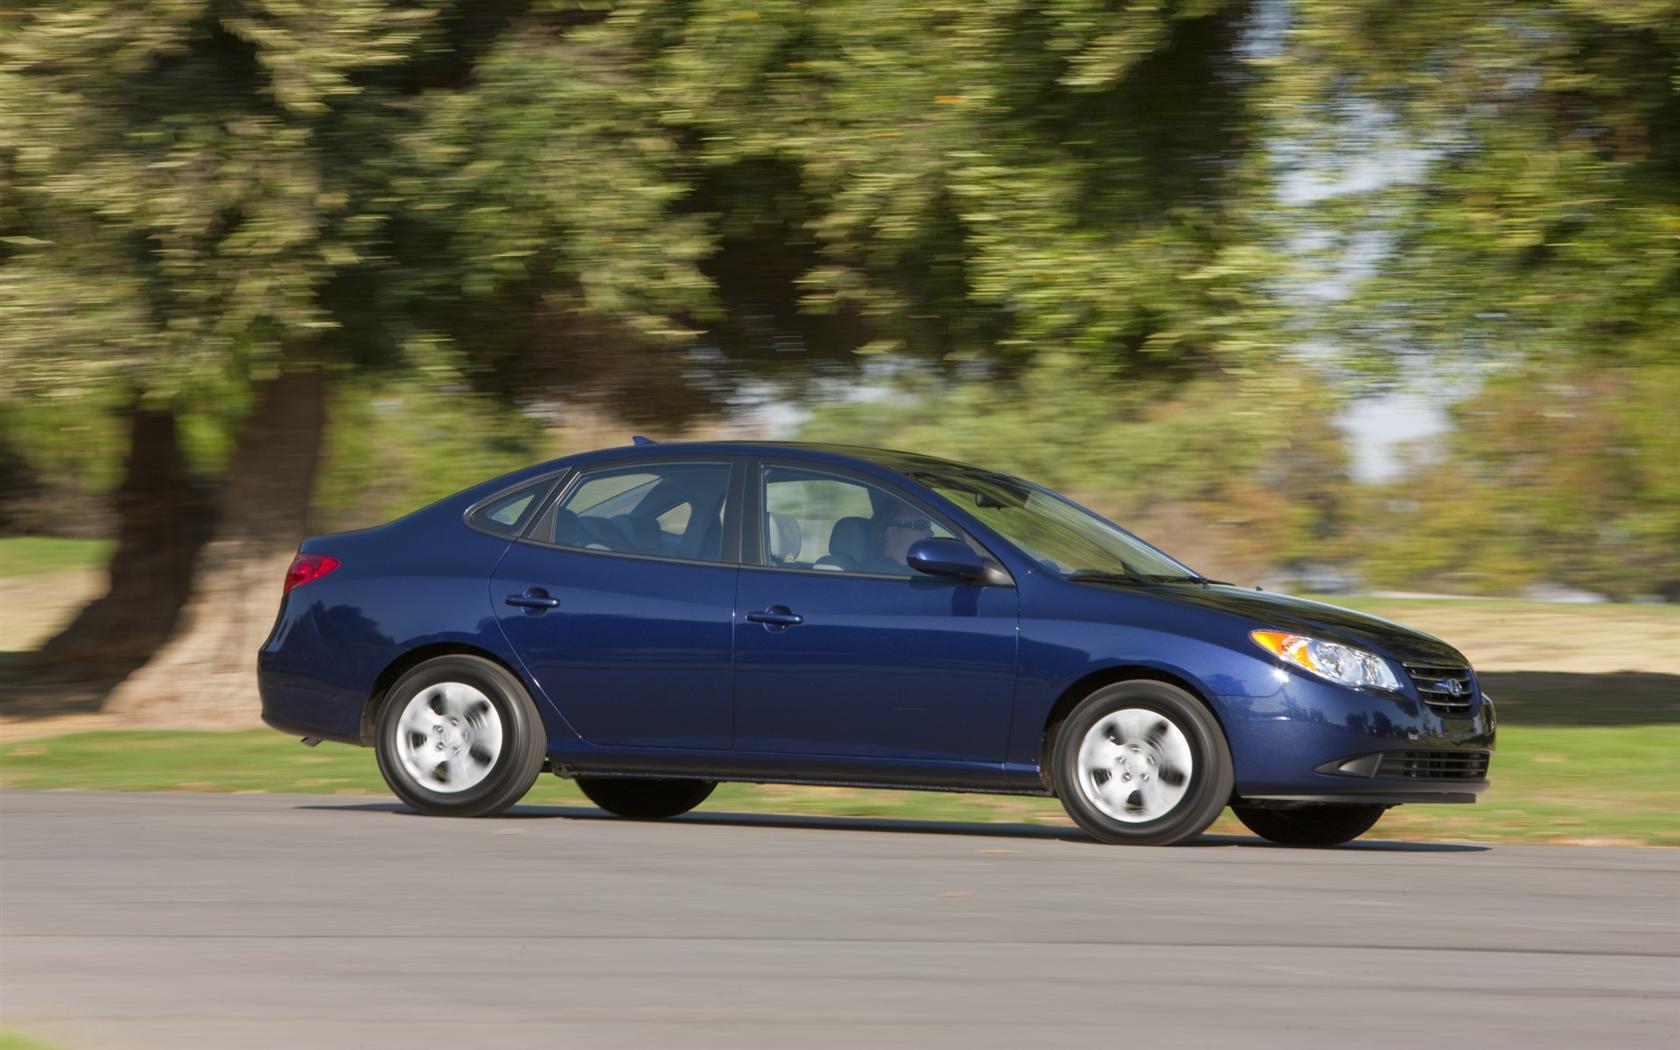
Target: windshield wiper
(1097,576)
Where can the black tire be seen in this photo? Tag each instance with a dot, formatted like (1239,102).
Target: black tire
(517,761)
(1310,824)
(1207,786)
(641,798)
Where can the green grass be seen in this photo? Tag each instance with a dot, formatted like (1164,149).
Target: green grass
(1555,784)
(13,1041)
(1614,783)
(33,555)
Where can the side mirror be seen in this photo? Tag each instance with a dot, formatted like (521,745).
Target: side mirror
(939,557)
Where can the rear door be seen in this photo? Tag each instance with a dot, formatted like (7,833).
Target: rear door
(620,601)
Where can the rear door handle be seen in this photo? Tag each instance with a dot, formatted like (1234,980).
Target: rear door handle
(776,616)
(535,599)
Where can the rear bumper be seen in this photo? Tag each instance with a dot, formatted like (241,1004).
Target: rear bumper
(298,702)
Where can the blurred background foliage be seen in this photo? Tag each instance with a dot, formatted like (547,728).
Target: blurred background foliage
(1146,253)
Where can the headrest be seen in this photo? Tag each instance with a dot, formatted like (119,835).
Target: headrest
(783,537)
(853,538)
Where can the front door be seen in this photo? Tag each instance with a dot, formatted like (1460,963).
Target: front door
(843,650)
(621,604)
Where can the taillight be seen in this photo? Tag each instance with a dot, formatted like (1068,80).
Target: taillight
(307,568)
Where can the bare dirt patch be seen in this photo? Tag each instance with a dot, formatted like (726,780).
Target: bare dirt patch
(34,608)
(1530,636)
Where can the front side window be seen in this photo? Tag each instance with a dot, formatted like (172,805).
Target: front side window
(834,523)
(672,510)
(1059,535)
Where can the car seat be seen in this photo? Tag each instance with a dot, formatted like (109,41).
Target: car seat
(643,532)
(782,538)
(851,546)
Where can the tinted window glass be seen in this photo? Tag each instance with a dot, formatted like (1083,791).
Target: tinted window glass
(834,523)
(670,510)
(506,515)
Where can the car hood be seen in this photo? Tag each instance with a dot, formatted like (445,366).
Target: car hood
(1333,623)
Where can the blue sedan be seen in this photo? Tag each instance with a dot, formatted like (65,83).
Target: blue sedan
(654,619)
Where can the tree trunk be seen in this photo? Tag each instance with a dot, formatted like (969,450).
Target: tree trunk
(163,519)
(206,674)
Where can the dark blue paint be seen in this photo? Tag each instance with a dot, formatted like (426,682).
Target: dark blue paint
(638,652)
(879,667)
(654,665)
(938,557)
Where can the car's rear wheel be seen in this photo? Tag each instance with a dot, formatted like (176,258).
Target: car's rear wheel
(645,798)
(1141,763)
(459,736)
(1310,824)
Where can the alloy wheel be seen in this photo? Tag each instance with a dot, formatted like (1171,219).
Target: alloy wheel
(449,737)
(1135,765)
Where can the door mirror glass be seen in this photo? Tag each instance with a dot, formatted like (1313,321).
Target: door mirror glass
(941,557)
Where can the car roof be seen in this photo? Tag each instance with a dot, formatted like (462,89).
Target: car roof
(819,451)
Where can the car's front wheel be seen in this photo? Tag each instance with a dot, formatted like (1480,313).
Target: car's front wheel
(645,798)
(1141,763)
(1309,824)
(459,736)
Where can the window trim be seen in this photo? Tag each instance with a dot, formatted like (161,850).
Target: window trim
(537,509)
(731,553)
(754,556)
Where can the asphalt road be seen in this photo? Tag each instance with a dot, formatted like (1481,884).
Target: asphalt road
(185,921)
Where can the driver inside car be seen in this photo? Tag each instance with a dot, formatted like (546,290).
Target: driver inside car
(900,526)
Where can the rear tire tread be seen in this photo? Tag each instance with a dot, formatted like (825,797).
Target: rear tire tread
(645,798)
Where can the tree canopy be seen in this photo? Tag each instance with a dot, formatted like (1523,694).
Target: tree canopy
(1053,231)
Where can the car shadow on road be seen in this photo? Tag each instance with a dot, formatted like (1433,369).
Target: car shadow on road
(887,825)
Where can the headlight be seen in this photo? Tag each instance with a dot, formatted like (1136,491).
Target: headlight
(1342,664)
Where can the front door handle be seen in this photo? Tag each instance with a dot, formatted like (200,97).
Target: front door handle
(535,599)
(776,616)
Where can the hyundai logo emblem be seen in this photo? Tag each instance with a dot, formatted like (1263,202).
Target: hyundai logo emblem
(1450,686)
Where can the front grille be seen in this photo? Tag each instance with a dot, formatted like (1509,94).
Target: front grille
(1434,765)
(1446,688)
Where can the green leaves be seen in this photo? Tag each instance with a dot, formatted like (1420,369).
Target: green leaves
(180,178)
(1056,218)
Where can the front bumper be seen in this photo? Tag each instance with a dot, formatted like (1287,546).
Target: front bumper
(1311,741)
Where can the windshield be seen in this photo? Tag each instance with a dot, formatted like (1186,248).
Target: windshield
(1061,536)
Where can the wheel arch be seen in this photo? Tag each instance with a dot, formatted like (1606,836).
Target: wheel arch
(1097,679)
(407,662)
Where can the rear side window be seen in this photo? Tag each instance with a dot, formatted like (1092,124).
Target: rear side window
(667,510)
(507,514)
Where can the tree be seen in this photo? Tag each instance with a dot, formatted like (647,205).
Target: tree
(1536,252)
(222,207)
(1561,474)
(186,186)
(784,188)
